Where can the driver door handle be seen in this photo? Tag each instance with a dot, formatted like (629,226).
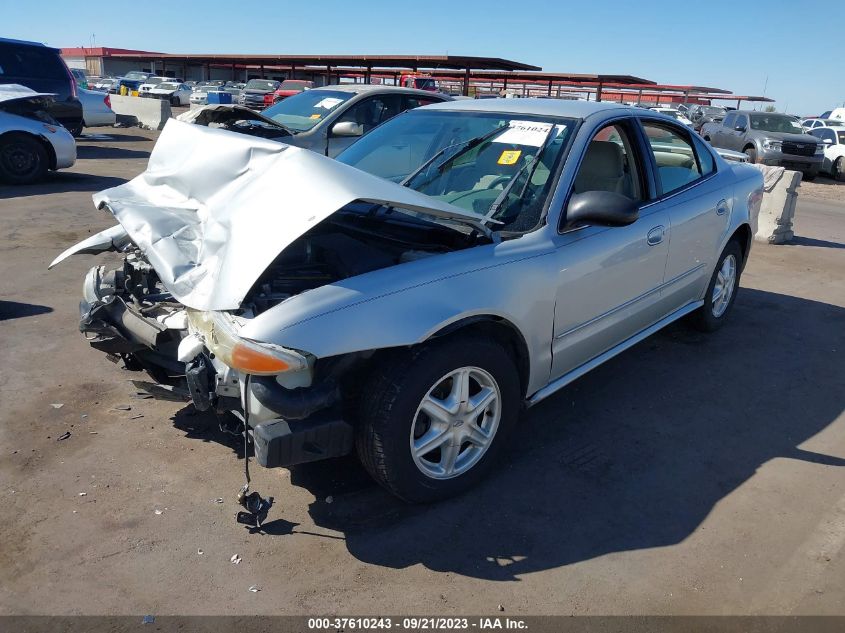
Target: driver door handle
(655,235)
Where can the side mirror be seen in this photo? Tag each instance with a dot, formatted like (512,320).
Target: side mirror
(739,128)
(827,141)
(605,208)
(348,128)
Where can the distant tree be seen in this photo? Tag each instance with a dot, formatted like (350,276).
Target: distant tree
(769,108)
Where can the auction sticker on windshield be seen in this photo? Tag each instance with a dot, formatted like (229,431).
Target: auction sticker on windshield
(531,133)
(328,103)
(509,157)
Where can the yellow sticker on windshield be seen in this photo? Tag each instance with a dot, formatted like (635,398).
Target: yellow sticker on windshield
(509,157)
(315,116)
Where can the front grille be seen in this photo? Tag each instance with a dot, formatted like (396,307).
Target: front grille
(799,149)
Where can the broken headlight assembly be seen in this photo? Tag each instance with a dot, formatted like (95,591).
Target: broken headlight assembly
(218,331)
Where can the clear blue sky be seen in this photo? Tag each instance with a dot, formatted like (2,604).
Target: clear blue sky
(731,45)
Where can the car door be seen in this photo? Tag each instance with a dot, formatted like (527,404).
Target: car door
(698,200)
(368,113)
(721,131)
(737,136)
(608,277)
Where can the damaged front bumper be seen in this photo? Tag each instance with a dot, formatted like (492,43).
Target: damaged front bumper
(292,418)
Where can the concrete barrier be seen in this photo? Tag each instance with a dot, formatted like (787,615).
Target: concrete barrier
(151,114)
(780,192)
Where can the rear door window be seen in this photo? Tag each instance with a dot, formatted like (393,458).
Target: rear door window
(674,156)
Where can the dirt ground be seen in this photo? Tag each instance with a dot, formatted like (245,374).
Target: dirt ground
(692,474)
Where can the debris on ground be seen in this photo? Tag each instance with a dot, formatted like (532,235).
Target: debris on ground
(83,494)
(136,416)
(122,407)
(158,511)
(57,405)
(218,500)
(329,499)
(83,416)
(92,432)
(148,619)
(63,436)
(501,608)
(236,560)
(255,588)
(200,552)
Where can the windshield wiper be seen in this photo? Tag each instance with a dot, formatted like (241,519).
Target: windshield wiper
(531,167)
(468,145)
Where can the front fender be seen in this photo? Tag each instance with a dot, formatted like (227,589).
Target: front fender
(370,312)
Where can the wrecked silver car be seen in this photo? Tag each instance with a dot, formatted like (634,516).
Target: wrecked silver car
(406,301)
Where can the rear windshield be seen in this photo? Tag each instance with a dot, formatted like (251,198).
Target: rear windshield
(30,61)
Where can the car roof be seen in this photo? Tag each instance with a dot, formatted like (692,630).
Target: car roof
(362,88)
(540,107)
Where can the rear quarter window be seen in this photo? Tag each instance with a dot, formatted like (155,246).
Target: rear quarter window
(30,61)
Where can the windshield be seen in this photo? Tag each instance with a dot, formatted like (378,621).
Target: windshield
(713,110)
(303,111)
(154,80)
(136,74)
(423,83)
(167,86)
(261,84)
(775,123)
(481,162)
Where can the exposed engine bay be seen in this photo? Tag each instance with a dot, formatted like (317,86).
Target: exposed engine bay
(238,119)
(127,312)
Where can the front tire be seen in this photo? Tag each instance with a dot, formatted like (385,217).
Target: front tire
(23,160)
(721,291)
(839,169)
(433,420)
(751,153)
(810,176)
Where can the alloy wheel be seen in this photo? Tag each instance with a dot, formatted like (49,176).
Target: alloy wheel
(723,289)
(455,423)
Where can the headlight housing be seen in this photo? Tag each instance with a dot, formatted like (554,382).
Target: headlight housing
(219,332)
(820,148)
(773,145)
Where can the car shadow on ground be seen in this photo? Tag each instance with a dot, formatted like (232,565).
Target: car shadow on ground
(98,152)
(59,182)
(108,135)
(634,455)
(16,310)
(811,241)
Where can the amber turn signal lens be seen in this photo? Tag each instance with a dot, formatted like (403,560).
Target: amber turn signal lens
(252,361)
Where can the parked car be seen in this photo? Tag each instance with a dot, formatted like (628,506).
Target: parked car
(254,93)
(833,141)
(811,124)
(199,95)
(769,138)
(178,94)
(42,69)
(460,262)
(700,114)
(132,80)
(96,108)
(32,142)
(80,77)
(674,113)
(106,84)
(326,120)
(152,82)
(290,87)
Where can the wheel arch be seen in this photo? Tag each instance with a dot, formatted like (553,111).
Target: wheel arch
(743,236)
(499,329)
(48,147)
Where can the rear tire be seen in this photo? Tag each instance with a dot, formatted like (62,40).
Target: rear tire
(23,160)
(839,169)
(721,291)
(809,176)
(394,421)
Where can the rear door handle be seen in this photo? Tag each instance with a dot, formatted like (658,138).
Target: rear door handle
(722,207)
(655,235)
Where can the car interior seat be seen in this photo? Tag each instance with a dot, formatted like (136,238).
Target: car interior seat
(603,169)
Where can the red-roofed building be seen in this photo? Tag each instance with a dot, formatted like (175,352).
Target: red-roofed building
(99,61)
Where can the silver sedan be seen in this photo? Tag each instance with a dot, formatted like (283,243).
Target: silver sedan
(459,263)
(31,141)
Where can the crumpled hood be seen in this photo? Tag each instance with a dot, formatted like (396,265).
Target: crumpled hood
(215,208)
